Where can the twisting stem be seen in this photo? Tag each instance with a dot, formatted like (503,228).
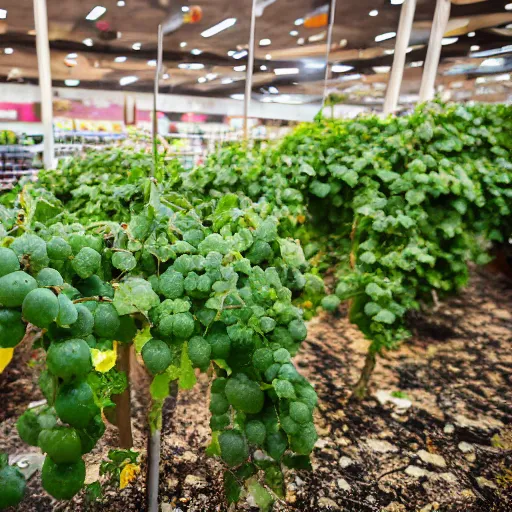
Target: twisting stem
(361,388)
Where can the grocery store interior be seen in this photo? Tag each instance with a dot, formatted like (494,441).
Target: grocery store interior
(103,60)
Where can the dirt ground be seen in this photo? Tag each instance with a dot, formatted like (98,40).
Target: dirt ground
(436,433)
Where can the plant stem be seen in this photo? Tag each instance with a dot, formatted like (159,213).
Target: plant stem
(361,388)
(154,447)
(123,402)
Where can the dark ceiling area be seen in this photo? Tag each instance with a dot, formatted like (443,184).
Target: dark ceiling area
(117,48)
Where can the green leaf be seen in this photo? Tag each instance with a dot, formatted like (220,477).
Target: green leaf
(187,373)
(414,197)
(261,496)
(368,257)
(213,448)
(159,388)
(232,488)
(307,169)
(141,338)
(320,189)
(135,295)
(385,317)
(283,388)
(292,253)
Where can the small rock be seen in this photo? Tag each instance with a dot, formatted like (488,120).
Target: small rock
(327,503)
(470,457)
(381,446)
(343,484)
(172,483)
(394,506)
(343,441)
(468,493)
(195,481)
(432,458)
(321,443)
(299,481)
(427,508)
(345,462)
(401,404)
(449,428)
(483,482)
(188,456)
(466,447)
(167,507)
(416,471)
(448,477)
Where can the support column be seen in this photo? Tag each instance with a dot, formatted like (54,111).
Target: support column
(332,14)
(45,80)
(402,43)
(249,72)
(439,25)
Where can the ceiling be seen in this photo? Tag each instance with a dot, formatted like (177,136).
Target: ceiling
(130,22)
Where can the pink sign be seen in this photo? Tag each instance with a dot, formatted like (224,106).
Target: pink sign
(20,112)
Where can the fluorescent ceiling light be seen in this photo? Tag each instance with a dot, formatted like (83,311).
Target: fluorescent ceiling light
(475,48)
(226,81)
(240,68)
(166,76)
(397,2)
(389,52)
(223,25)
(3,14)
(201,79)
(121,3)
(8,51)
(298,22)
(71,83)
(265,42)
(263,67)
(286,71)
(491,63)
(239,97)
(301,40)
(385,36)
(88,42)
(315,65)
(346,78)
(375,12)
(294,33)
(120,59)
(96,13)
(183,44)
(127,80)
(185,8)
(273,90)
(381,69)
(508,7)
(231,53)
(152,63)
(137,46)
(471,34)
(240,55)
(268,56)
(211,76)
(449,40)
(71,56)
(195,51)
(191,65)
(416,64)
(341,68)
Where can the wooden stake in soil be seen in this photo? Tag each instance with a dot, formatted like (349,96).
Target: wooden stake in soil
(123,403)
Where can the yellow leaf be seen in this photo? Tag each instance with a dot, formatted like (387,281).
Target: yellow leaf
(128,474)
(5,357)
(104,360)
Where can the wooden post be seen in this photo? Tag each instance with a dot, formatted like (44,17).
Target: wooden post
(249,71)
(402,43)
(45,80)
(332,14)
(439,25)
(123,401)
(158,72)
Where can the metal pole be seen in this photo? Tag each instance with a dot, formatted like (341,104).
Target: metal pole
(441,17)
(402,43)
(158,72)
(249,71)
(45,80)
(328,51)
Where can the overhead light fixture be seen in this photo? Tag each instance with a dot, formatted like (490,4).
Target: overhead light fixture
(341,68)
(71,56)
(475,48)
(449,40)
(96,13)
(298,22)
(301,41)
(265,42)
(3,14)
(226,81)
(239,96)
(191,66)
(508,7)
(120,59)
(8,51)
(286,71)
(195,51)
(201,79)
(317,37)
(294,33)
(471,34)
(416,64)
(389,52)
(152,63)
(137,46)
(315,65)
(347,78)
(240,68)
(121,3)
(183,44)
(223,25)
(211,76)
(71,83)
(88,42)
(385,36)
(381,69)
(268,56)
(263,67)
(492,63)
(273,90)
(127,80)
(166,76)
(375,12)
(397,2)
(231,53)
(240,55)
(185,8)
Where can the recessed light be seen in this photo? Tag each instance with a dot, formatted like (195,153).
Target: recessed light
(268,56)
(449,40)
(265,42)
(191,65)
(196,51)
(475,48)
(88,42)
(416,64)
(375,12)
(298,22)
(71,56)
(183,44)
(8,51)
(71,82)
(286,71)
(3,14)
(240,55)
(121,3)
(137,46)
(166,76)
(96,13)
(201,79)
(508,7)
(185,8)
(385,36)
(238,96)
(211,76)
(240,68)
(301,40)
(341,68)
(273,90)
(263,68)
(127,80)
(223,25)
(226,81)
(152,63)
(471,34)
(120,59)
(294,33)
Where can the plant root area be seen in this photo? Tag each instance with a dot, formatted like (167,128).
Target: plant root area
(434,434)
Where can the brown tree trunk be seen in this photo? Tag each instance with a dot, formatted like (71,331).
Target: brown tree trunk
(360,391)
(123,409)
